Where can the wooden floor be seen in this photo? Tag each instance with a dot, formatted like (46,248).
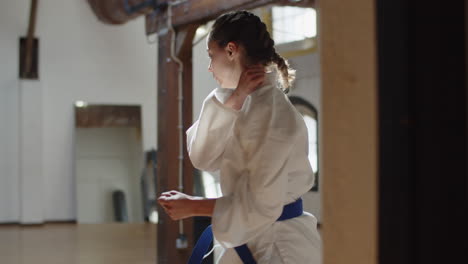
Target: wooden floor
(78,244)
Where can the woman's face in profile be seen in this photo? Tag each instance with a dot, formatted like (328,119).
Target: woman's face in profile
(222,68)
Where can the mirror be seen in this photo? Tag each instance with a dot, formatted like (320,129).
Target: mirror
(114,178)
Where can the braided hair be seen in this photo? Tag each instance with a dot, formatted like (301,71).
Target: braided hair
(245,28)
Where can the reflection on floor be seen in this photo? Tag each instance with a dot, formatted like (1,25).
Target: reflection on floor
(78,244)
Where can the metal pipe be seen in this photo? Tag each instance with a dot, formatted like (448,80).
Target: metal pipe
(30,38)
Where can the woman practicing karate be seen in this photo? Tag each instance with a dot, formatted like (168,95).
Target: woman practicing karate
(252,134)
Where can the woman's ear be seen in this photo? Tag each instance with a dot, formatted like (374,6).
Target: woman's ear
(231,50)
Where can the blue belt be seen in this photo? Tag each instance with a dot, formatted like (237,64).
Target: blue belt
(289,211)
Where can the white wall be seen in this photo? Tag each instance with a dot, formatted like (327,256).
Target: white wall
(83,59)
(80,59)
(11,24)
(9,151)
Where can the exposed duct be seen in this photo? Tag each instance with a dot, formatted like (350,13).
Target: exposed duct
(121,11)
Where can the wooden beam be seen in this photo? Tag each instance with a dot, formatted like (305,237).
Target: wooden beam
(200,11)
(168,139)
(303,3)
(186,12)
(204,10)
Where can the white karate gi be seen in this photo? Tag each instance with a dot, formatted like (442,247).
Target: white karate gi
(261,153)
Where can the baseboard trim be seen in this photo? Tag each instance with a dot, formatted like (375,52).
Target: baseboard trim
(55,222)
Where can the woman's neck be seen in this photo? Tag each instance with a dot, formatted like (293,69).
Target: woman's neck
(234,75)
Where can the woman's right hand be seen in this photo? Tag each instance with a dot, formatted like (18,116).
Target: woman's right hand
(249,81)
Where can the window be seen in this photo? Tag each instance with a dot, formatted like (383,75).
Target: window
(310,116)
(294,29)
(211,185)
(206,184)
(291,24)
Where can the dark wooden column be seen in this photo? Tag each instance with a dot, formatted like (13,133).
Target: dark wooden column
(423,138)
(168,139)
(186,18)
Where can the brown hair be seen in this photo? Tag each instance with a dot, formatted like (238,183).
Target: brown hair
(246,29)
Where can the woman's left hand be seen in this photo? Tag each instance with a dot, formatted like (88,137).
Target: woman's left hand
(177,205)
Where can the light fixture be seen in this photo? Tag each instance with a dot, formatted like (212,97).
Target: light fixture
(201,31)
(81,104)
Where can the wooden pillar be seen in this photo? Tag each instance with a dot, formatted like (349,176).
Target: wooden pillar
(168,140)
(350,131)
